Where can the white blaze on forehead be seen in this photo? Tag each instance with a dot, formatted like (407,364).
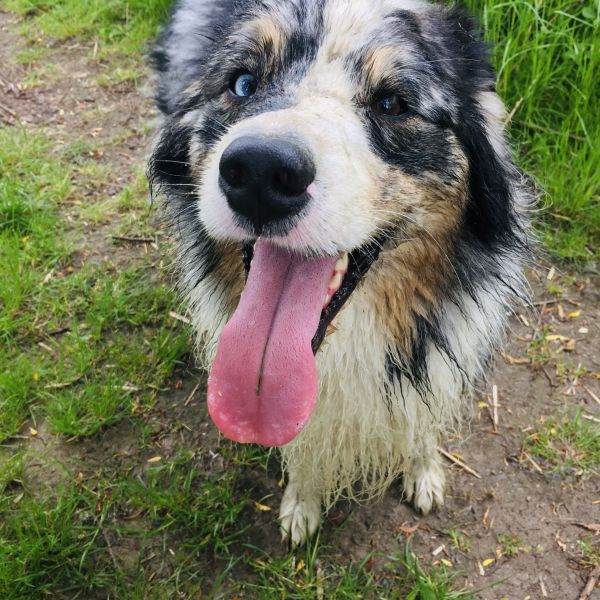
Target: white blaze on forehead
(350,24)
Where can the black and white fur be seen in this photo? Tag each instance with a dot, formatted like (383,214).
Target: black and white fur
(438,191)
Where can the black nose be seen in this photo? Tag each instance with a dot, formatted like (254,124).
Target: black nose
(266,179)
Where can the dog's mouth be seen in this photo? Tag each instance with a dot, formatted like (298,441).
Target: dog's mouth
(263,383)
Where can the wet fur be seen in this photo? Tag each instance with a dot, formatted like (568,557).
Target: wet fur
(438,190)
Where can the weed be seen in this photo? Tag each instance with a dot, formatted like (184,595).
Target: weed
(539,349)
(460,540)
(510,545)
(589,552)
(568,445)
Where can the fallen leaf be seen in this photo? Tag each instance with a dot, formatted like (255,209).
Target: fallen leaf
(408,530)
(557,338)
(516,361)
(33,432)
(485,516)
(155,459)
(300,566)
(574,315)
(488,561)
(262,507)
(446,563)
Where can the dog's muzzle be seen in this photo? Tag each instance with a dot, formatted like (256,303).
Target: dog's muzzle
(266,179)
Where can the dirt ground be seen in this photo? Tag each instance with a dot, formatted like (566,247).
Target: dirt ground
(508,492)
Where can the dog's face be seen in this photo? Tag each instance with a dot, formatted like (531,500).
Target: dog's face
(347,91)
(327,130)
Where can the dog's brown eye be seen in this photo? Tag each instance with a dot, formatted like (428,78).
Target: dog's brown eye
(389,106)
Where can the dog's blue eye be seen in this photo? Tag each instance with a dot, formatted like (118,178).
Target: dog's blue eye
(245,85)
(389,106)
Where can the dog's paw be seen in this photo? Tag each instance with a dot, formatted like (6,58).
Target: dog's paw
(299,516)
(424,485)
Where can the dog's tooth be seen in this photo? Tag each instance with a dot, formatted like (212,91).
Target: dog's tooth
(326,301)
(336,282)
(341,266)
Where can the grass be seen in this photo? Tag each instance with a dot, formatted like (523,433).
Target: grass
(399,577)
(459,540)
(116,333)
(118,29)
(569,445)
(116,505)
(102,537)
(548,62)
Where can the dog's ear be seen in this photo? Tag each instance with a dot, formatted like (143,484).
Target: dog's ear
(182,50)
(490,216)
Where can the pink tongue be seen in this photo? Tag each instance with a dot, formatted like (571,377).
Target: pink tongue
(263,383)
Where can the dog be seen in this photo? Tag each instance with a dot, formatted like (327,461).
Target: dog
(351,231)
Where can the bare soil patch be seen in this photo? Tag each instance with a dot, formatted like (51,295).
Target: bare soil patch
(516,496)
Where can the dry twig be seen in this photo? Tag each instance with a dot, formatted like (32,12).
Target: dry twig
(535,465)
(459,463)
(592,395)
(586,594)
(180,318)
(511,360)
(495,407)
(594,527)
(191,396)
(132,240)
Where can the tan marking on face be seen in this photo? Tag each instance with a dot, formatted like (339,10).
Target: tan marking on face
(380,61)
(267,32)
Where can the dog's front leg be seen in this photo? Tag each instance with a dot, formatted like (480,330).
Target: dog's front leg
(300,512)
(424,480)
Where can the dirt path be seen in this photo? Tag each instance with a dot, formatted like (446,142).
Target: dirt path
(543,517)
(516,495)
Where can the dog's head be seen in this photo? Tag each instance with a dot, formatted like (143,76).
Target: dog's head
(317,133)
